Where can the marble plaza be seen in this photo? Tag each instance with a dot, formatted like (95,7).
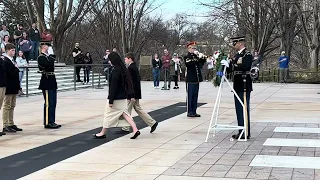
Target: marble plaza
(285,143)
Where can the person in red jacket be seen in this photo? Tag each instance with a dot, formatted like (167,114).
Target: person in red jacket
(166,58)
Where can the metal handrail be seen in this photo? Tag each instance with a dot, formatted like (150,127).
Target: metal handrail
(74,74)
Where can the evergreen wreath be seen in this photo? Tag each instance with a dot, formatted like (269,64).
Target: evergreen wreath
(219,56)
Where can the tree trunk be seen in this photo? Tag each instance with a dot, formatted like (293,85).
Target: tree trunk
(314,59)
(58,47)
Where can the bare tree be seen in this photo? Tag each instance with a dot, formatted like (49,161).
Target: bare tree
(309,18)
(62,15)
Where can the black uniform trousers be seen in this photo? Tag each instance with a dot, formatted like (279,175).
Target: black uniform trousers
(193,92)
(50,102)
(239,110)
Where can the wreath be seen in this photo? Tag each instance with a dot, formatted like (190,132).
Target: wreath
(219,56)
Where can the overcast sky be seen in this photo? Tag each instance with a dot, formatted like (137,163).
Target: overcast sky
(169,8)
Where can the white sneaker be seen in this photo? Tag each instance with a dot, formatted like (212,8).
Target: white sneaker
(155,87)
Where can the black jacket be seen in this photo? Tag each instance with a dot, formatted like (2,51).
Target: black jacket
(3,78)
(12,77)
(119,88)
(46,66)
(244,66)
(136,81)
(194,65)
(34,34)
(156,64)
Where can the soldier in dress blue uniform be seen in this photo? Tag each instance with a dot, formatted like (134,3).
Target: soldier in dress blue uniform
(242,83)
(48,85)
(193,78)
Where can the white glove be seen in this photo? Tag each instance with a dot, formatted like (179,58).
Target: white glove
(225,63)
(201,55)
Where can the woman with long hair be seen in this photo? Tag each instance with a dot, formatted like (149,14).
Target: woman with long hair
(120,86)
(156,67)
(22,64)
(87,68)
(25,45)
(5,41)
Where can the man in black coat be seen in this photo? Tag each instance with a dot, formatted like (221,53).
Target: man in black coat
(3,83)
(242,83)
(133,98)
(48,85)
(12,89)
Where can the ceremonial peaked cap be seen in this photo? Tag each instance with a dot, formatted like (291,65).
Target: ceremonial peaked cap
(48,43)
(237,39)
(191,44)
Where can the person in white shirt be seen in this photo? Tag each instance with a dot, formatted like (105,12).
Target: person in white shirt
(175,70)
(210,65)
(5,40)
(3,33)
(22,63)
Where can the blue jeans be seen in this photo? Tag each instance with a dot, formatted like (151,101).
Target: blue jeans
(20,77)
(156,77)
(34,53)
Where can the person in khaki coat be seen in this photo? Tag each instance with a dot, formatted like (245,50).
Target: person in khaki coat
(133,99)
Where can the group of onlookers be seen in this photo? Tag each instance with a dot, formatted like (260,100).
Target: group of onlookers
(171,67)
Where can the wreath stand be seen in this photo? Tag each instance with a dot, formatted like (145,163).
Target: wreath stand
(215,113)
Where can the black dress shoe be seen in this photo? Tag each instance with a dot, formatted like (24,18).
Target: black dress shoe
(99,137)
(197,115)
(154,127)
(56,124)
(8,129)
(51,126)
(135,135)
(191,115)
(15,128)
(2,133)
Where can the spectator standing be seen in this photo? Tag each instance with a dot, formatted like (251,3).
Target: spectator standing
(256,63)
(87,68)
(156,66)
(25,45)
(166,58)
(106,64)
(22,64)
(3,33)
(283,65)
(210,66)
(3,44)
(17,35)
(175,70)
(34,36)
(46,36)
(78,59)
